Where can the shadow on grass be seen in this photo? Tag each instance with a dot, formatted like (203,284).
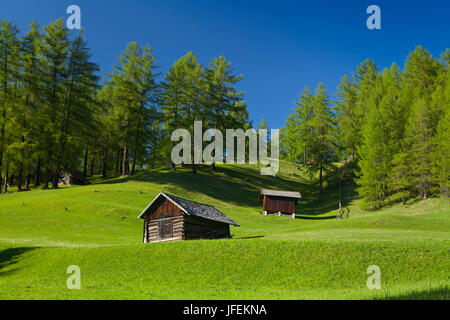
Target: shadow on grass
(315,218)
(11,256)
(442,293)
(239,185)
(251,237)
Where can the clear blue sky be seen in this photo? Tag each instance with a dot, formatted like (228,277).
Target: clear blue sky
(279,46)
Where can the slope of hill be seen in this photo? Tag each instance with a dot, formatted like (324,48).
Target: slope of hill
(314,256)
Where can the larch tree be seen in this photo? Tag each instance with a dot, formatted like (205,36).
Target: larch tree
(298,135)
(419,81)
(381,136)
(347,117)
(134,80)
(323,146)
(9,64)
(222,97)
(55,50)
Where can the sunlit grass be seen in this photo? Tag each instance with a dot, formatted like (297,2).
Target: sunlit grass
(312,257)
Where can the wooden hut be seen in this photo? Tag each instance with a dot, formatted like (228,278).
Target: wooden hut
(279,202)
(169,218)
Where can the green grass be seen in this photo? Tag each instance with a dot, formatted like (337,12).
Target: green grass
(312,257)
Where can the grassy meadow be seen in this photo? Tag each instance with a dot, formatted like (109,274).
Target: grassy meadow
(314,256)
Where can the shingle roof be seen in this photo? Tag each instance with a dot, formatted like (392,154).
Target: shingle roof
(196,209)
(277,193)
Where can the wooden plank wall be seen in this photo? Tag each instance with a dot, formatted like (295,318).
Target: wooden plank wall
(198,228)
(184,226)
(165,209)
(177,231)
(279,204)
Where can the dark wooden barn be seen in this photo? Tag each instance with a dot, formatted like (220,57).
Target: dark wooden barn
(279,202)
(169,218)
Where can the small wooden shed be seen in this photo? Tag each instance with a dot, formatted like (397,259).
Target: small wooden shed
(279,202)
(169,218)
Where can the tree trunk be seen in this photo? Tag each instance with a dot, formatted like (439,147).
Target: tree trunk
(104,164)
(86,153)
(194,169)
(120,164)
(125,162)
(133,166)
(19,179)
(28,180)
(117,169)
(5,180)
(321,179)
(2,137)
(46,179)
(341,193)
(37,176)
(213,163)
(55,179)
(91,168)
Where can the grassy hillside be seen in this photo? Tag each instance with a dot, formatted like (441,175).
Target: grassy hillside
(313,256)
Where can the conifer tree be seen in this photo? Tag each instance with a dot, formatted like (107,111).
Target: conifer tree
(9,53)
(419,81)
(55,50)
(298,136)
(134,81)
(323,147)
(381,132)
(222,99)
(32,122)
(347,118)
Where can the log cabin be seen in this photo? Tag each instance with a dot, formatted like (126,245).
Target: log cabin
(171,218)
(280,203)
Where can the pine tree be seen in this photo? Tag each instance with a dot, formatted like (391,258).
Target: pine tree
(347,118)
(172,95)
(364,81)
(298,135)
(441,150)
(32,101)
(419,81)
(55,50)
(322,151)
(76,119)
(222,99)
(134,81)
(9,53)
(382,132)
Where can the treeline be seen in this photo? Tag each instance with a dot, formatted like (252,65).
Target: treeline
(56,116)
(391,125)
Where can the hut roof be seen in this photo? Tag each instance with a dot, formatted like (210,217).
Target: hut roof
(193,208)
(277,193)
